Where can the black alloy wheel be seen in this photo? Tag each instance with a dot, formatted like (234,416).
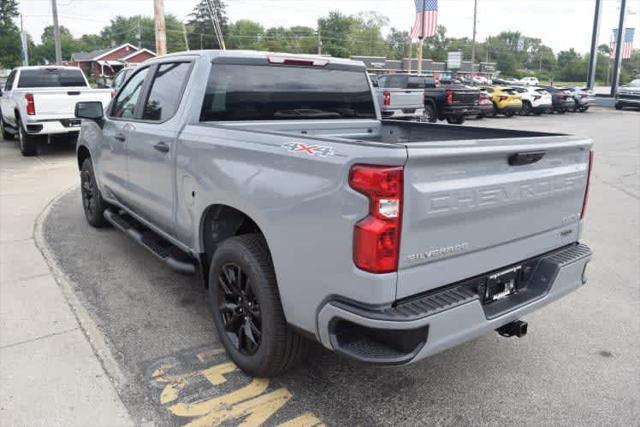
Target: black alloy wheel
(92,202)
(239,309)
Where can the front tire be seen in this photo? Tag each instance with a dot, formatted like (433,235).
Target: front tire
(618,106)
(92,201)
(456,120)
(246,308)
(7,136)
(527,109)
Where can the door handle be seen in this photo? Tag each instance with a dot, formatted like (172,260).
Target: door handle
(120,137)
(162,147)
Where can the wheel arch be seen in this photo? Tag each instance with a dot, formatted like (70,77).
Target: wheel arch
(82,154)
(219,222)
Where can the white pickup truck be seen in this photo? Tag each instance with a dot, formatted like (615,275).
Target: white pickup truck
(39,101)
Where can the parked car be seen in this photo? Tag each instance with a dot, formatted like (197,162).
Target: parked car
(581,98)
(485,105)
(445,102)
(529,81)
(40,101)
(561,100)
(400,103)
(535,100)
(274,178)
(505,100)
(628,95)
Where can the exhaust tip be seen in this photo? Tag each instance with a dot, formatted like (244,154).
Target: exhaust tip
(517,328)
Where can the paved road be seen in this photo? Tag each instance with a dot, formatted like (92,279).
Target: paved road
(579,364)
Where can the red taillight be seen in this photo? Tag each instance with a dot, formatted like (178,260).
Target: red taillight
(586,190)
(536,97)
(376,238)
(31,105)
(503,97)
(113,93)
(449,97)
(386,95)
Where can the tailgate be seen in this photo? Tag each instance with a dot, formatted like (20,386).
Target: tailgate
(402,98)
(465,97)
(54,104)
(469,211)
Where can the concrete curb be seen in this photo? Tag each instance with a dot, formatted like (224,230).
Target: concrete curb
(88,327)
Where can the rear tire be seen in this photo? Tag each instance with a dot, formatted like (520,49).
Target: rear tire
(429,114)
(526,109)
(456,120)
(247,311)
(509,113)
(28,143)
(92,201)
(618,106)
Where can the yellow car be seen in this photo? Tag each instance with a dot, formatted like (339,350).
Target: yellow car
(505,100)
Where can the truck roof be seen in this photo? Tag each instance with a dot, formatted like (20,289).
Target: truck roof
(262,55)
(47,67)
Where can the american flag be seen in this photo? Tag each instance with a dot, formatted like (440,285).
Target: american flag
(426,22)
(627,43)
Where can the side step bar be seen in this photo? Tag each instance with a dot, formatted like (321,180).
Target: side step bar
(161,248)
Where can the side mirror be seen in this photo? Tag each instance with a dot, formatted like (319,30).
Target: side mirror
(90,111)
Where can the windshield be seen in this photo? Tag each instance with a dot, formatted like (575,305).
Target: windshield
(634,83)
(262,92)
(51,77)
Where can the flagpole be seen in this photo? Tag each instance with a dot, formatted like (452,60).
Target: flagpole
(420,44)
(615,78)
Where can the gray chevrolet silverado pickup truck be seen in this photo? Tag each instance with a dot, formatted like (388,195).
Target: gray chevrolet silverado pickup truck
(307,216)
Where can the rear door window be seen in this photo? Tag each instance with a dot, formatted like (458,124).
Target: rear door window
(166,90)
(51,77)
(265,92)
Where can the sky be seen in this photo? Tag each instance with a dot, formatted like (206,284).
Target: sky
(561,24)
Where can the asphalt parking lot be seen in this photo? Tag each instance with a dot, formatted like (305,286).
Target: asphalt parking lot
(579,364)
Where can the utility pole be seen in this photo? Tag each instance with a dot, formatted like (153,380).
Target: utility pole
(473,42)
(25,44)
(421,42)
(593,58)
(184,34)
(56,32)
(161,34)
(615,78)
(140,32)
(319,42)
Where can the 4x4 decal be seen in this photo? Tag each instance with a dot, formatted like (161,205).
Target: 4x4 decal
(311,150)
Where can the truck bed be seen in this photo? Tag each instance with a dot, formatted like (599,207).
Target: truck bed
(385,131)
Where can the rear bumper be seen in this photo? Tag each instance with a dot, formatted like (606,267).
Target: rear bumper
(542,108)
(511,108)
(464,110)
(402,113)
(51,127)
(420,326)
(628,101)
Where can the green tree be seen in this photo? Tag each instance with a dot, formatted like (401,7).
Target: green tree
(335,33)
(45,51)
(366,34)
(397,44)
(140,31)
(245,34)
(200,28)
(10,45)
